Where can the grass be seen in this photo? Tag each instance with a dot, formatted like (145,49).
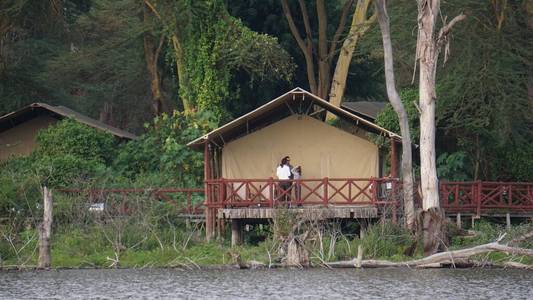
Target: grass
(76,248)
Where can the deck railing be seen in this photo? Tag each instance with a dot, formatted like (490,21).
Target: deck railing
(479,196)
(471,197)
(326,191)
(181,198)
(474,197)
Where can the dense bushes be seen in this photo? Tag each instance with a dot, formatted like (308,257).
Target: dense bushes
(162,153)
(71,154)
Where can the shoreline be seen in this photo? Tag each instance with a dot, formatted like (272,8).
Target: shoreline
(259,266)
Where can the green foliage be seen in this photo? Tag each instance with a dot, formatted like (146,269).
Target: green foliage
(69,137)
(70,151)
(217,46)
(20,190)
(163,149)
(386,240)
(512,162)
(389,119)
(103,63)
(451,166)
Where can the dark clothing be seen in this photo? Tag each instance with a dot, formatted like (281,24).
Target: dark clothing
(285,186)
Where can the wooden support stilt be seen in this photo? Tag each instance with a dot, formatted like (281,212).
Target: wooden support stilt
(473,220)
(458,221)
(362,229)
(236,232)
(209,212)
(393,159)
(508,220)
(45,230)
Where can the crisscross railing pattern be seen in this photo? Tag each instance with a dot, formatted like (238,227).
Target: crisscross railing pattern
(326,191)
(478,196)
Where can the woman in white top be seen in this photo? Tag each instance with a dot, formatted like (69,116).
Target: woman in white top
(283,172)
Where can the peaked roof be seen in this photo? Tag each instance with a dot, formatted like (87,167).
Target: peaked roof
(14,118)
(369,109)
(298,100)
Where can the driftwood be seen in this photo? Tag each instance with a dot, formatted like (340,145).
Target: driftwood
(453,258)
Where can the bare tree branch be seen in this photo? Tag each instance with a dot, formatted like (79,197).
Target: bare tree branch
(340,28)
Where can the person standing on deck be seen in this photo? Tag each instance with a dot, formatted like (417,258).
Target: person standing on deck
(283,172)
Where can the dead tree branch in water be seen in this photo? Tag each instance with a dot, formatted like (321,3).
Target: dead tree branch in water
(453,257)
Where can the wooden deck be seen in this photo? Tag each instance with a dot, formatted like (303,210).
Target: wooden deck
(314,212)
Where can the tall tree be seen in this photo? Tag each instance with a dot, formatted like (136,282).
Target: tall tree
(210,46)
(429,45)
(320,57)
(361,22)
(396,102)
(152,50)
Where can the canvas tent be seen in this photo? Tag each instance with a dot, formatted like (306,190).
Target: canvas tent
(251,146)
(320,149)
(19,128)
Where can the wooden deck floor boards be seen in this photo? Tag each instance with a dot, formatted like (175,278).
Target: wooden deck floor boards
(319,212)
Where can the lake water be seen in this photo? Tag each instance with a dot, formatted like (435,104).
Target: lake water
(268,284)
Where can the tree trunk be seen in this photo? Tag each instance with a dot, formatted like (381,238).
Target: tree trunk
(326,48)
(106,114)
(324,68)
(45,230)
(178,55)
(427,57)
(396,102)
(151,56)
(427,53)
(305,46)
(360,24)
(297,255)
(529,12)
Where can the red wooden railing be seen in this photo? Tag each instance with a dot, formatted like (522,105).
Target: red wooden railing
(482,196)
(474,197)
(181,198)
(326,191)
(471,197)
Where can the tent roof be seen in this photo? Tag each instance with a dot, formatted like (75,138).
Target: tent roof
(369,109)
(14,118)
(296,101)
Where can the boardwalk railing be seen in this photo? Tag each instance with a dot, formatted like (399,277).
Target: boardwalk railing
(481,196)
(474,197)
(187,200)
(326,191)
(471,197)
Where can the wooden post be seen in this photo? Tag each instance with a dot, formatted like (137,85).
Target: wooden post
(362,229)
(508,220)
(236,232)
(359,256)
(325,183)
(458,221)
(393,159)
(209,226)
(45,230)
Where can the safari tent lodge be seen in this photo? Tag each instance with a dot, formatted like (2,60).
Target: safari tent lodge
(340,164)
